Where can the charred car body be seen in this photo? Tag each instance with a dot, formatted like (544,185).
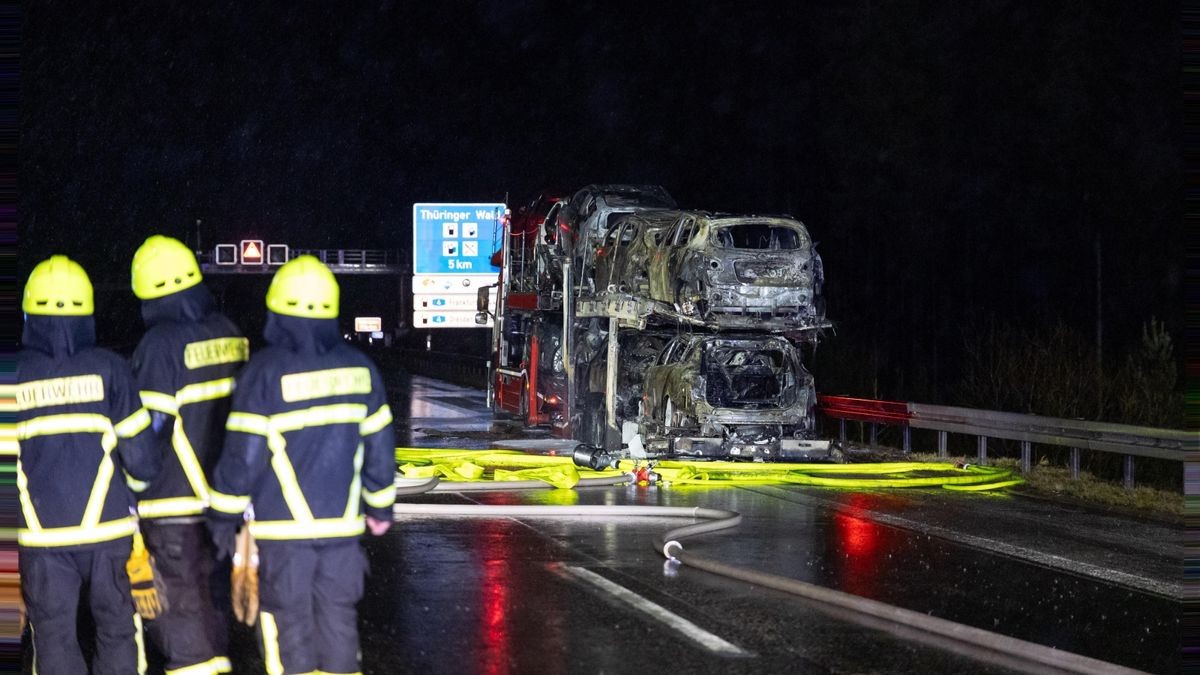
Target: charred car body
(647,331)
(730,395)
(738,271)
(594,209)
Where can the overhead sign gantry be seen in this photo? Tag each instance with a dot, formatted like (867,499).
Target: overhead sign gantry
(452,251)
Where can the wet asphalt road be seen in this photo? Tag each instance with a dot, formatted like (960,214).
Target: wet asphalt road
(526,595)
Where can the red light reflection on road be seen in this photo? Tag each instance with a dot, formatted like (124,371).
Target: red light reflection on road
(861,547)
(495,588)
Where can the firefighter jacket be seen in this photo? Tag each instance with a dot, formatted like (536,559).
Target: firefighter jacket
(309,440)
(185,367)
(81,432)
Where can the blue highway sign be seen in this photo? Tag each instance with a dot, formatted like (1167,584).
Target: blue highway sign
(454,238)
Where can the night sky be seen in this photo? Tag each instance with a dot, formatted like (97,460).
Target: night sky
(953,163)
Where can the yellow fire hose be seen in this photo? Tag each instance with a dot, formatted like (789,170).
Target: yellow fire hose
(472,466)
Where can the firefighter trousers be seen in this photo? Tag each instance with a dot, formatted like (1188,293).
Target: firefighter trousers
(51,581)
(307,596)
(193,631)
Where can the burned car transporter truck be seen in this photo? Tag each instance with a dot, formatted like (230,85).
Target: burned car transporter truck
(646,331)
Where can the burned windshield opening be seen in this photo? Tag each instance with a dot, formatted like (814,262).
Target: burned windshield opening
(760,236)
(748,377)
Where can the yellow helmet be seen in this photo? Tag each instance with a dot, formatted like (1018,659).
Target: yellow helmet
(162,266)
(304,287)
(58,286)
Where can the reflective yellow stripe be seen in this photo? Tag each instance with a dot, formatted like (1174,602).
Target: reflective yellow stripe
(187,460)
(377,421)
(288,483)
(221,664)
(140,640)
(380,499)
(133,425)
(202,668)
(70,423)
(337,413)
(160,402)
(95,504)
(314,529)
(172,506)
(353,499)
(270,635)
(31,519)
(205,391)
(227,503)
(135,484)
(248,423)
(70,536)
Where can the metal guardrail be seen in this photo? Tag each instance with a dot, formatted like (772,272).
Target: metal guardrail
(1126,440)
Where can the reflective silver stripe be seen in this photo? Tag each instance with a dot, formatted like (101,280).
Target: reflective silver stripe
(377,421)
(171,506)
(227,503)
(159,402)
(133,425)
(205,391)
(78,534)
(314,529)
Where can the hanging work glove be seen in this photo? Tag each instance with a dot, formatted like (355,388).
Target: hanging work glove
(145,583)
(223,532)
(244,579)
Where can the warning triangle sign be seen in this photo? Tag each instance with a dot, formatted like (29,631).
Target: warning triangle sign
(252,251)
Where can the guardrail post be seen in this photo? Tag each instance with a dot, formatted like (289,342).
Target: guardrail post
(874,434)
(1074,463)
(842,430)
(982,449)
(907,438)
(1026,455)
(942,435)
(1128,472)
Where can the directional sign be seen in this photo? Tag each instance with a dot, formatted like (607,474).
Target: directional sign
(446,319)
(455,238)
(252,251)
(436,302)
(443,284)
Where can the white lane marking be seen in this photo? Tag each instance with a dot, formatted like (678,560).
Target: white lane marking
(1155,586)
(691,631)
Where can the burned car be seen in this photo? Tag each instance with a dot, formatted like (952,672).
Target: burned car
(730,396)
(621,256)
(739,271)
(595,208)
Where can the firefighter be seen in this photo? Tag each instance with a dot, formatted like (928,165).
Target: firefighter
(184,367)
(82,436)
(309,445)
